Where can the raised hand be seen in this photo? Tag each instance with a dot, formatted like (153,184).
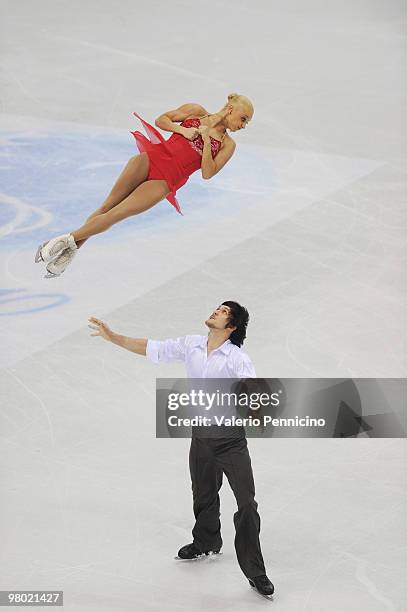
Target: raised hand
(101,328)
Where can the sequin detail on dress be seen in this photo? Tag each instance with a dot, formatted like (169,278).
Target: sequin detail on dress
(198,144)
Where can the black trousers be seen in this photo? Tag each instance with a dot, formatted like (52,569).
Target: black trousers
(209,459)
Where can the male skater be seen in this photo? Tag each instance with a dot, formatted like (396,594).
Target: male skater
(217,355)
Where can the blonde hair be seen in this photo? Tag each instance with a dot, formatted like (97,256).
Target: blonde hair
(236,98)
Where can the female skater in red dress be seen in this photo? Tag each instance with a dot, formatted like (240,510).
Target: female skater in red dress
(163,166)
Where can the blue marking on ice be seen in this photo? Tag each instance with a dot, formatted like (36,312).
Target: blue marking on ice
(57,299)
(51,181)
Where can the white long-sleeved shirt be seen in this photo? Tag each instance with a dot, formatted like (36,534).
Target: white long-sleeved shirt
(227,361)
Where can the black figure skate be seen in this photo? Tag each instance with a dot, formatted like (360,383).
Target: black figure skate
(262,585)
(190,552)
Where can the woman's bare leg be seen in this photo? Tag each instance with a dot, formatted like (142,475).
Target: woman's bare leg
(134,173)
(145,196)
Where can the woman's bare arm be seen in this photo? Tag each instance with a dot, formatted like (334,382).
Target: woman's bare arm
(209,166)
(168,121)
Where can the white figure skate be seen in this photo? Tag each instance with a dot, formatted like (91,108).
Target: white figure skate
(57,266)
(49,250)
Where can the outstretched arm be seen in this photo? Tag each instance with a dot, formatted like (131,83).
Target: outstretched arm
(135,345)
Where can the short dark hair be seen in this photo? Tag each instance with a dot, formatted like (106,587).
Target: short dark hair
(239,318)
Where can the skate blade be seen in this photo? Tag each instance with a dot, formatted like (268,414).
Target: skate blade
(38,255)
(211,555)
(51,275)
(269,597)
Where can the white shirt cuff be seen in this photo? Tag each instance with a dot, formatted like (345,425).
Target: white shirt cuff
(152,351)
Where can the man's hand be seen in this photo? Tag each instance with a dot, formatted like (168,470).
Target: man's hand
(190,133)
(101,329)
(135,345)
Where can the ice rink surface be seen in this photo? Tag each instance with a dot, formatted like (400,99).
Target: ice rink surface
(306,226)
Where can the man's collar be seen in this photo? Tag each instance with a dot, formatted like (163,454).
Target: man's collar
(226,347)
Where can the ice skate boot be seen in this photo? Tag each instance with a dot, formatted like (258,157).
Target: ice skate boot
(262,585)
(58,265)
(52,248)
(190,552)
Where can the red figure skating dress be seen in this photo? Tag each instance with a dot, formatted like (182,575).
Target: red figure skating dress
(175,159)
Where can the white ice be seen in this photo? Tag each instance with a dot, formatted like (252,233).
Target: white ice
(306,226)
